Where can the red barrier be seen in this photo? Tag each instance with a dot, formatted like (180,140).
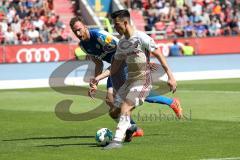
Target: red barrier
(1,55)
(38,53)
(219,45)
(64,52)
(210,45)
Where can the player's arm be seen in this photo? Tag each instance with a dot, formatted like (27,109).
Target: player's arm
(171,80)
(151,47)
(116,63)
(94,82)
(101,76)
(98,70)
(111,70)
(104,74)
(98,65)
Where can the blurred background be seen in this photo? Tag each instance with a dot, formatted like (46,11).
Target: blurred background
(201,42)
(196,35)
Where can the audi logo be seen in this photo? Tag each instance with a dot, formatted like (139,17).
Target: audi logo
(37,55)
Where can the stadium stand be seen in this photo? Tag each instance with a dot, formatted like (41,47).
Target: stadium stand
(138,19)
(46,21)
(65,9)
(189,18)
(34,21)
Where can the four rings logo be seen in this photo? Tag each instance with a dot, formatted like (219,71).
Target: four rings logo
(37,55)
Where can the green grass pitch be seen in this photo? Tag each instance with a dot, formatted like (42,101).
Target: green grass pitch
(29,128)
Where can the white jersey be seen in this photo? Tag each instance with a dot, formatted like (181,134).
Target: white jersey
(135,51)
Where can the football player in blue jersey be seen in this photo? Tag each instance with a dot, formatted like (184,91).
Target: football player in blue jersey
(101,46)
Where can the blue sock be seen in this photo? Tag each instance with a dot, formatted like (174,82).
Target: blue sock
(132,121)
(159,99)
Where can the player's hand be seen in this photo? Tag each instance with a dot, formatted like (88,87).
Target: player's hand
(173,85)
(93,82)
(92,91)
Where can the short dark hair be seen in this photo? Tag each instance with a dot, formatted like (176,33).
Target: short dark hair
(74,20)
(121,14)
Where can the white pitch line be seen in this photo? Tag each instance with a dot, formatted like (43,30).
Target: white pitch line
(229,158)
(211,91)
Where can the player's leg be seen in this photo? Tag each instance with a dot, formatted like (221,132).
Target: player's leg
(157,73)
(173,103)
(132,95)
(154,97)
(114,111)
(123,125)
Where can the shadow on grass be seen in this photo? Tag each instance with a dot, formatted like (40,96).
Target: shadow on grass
(64,145)
(42,138)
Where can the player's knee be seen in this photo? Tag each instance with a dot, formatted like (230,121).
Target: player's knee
(114,113)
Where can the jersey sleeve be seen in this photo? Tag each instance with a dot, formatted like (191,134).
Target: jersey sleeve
(148,43)
(106,38)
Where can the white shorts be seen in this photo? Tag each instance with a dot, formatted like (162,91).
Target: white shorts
(135,91)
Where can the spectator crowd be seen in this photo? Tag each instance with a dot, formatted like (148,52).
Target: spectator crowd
(34,21)
(189,18)
(30,21)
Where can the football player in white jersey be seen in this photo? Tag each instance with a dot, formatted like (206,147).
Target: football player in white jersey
(134,49)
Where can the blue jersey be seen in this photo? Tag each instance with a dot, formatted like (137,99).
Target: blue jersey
(101,45)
